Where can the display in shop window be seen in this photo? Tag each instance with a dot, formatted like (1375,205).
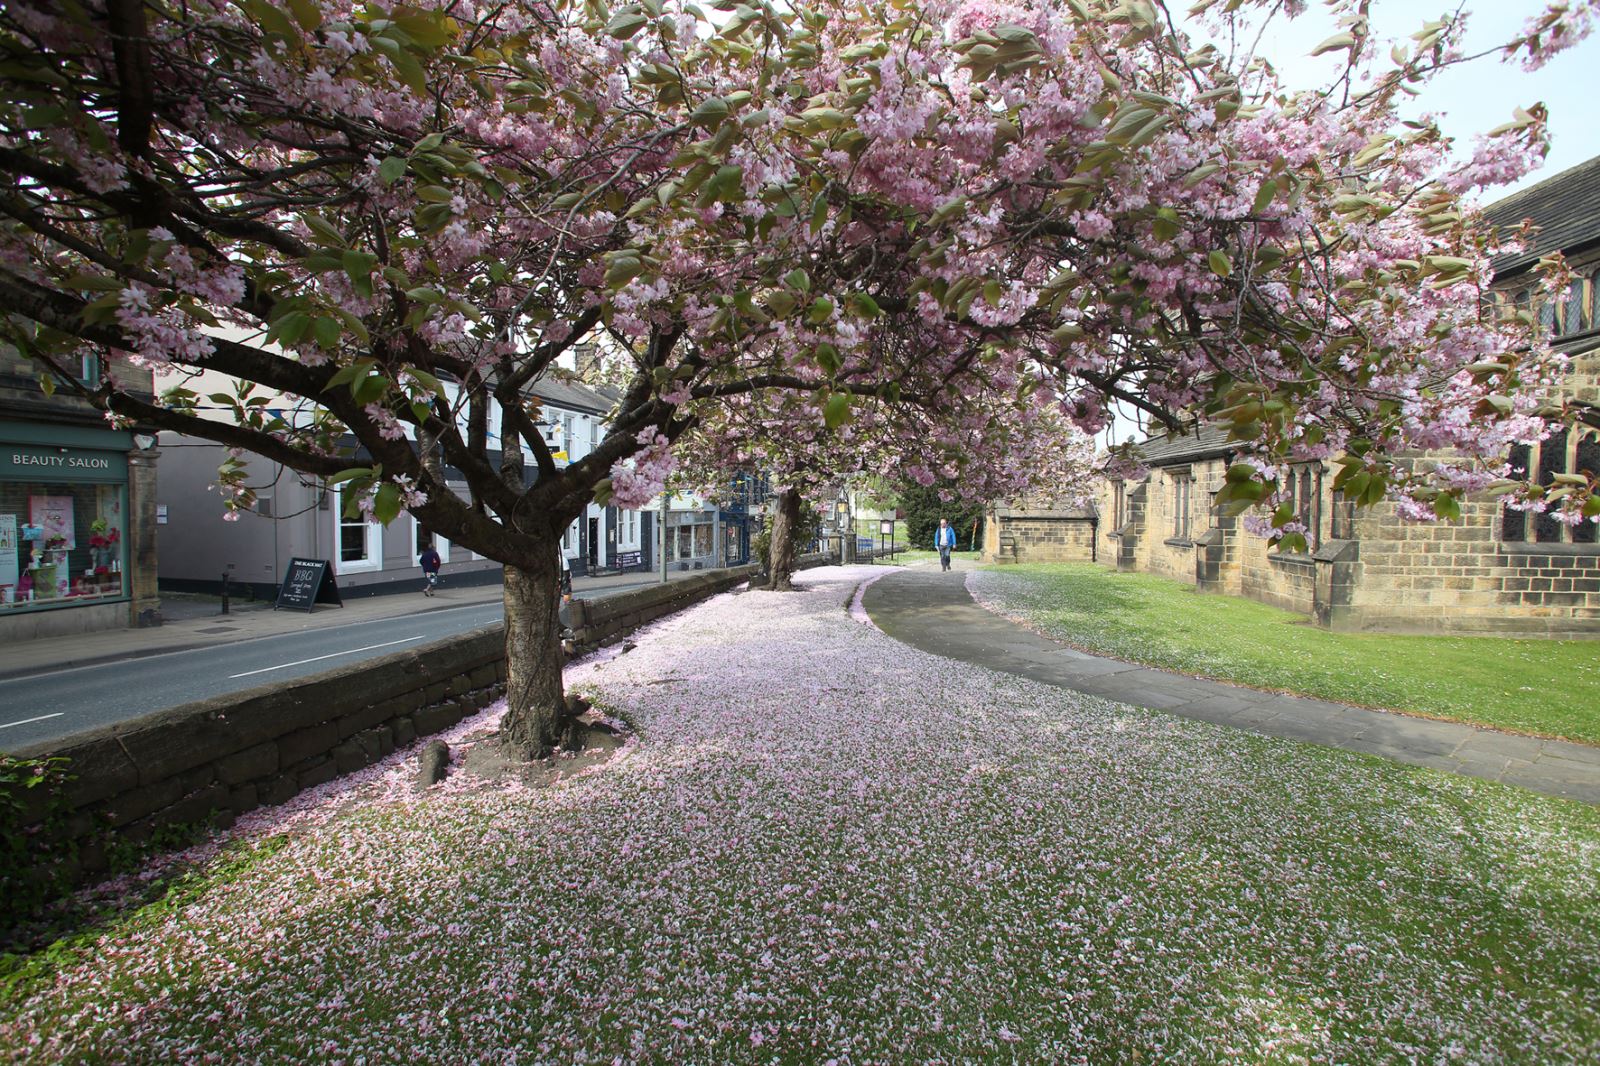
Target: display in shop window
(54,515)
(60,545)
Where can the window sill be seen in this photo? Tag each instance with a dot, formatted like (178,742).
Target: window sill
(1526,548)
(1179,542)
(1296,559)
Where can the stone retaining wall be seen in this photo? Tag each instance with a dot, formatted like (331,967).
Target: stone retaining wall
(210,761)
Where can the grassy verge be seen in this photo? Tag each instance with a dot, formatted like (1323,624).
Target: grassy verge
(912,558)
(1550,688)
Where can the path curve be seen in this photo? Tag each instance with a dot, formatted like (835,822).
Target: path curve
(931,610)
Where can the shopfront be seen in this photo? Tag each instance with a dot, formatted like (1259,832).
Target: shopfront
(64,518)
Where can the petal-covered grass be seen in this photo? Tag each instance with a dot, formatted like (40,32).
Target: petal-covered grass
(1541,687)
(828,846)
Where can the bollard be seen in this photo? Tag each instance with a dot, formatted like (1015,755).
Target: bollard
(224,592)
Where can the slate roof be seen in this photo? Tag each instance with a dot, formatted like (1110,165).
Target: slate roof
(1566,208)
(575,396)
(1206,442)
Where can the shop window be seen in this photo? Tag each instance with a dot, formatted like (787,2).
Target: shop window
(360,542)
(1574,451)
(62,544)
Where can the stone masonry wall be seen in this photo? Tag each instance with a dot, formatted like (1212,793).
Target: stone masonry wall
(1038,537)
(213,760)
(1457,577)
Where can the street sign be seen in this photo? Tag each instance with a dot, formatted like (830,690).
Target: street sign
(306,583)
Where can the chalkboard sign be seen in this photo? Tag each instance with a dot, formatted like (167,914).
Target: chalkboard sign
(307,583)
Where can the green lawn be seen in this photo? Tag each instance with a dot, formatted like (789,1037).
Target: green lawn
(912,558)
(1544,687)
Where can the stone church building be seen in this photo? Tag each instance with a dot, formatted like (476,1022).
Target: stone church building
(1496,570)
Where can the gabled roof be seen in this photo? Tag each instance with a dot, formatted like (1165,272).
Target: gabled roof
(1566,207)
(575,395)
(1206,442)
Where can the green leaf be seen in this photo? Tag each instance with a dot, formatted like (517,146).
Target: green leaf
(349,474)
(780,303)
(430,142)
(1221,265)
(711,113)
(386,503)
(821,311)
(323,228)
(369,389)
(837,410)
(306,13)
(427,381)
(425,294)
(391,170)
(435,194)
(798,279)
(626,24)
(326,332)
(1265,195)
(828,358)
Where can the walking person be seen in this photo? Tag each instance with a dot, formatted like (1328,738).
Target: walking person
(945,541)
(429,561)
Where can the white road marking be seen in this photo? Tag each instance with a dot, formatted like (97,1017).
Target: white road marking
(25,721)
(319,658)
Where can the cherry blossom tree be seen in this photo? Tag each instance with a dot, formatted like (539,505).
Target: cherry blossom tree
(403,214)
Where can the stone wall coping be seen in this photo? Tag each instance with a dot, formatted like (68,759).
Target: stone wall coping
(1338,551)
(1535,548)
(1286,559)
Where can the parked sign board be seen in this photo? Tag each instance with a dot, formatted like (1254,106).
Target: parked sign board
(306,583)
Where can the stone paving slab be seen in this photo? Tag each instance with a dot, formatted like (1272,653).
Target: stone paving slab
(932,611)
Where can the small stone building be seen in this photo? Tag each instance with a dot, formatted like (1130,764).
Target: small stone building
(1496,570)
(1024,532)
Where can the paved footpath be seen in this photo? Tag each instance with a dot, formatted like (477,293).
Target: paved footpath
(931,610)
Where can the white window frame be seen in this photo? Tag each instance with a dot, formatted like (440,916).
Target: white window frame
(373,560)
(440,544)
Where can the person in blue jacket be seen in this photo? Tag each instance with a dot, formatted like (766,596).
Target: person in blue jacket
(945,541)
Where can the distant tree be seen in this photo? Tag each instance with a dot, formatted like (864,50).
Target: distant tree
(924,505)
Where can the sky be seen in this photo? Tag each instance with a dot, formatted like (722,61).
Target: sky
(1478,97)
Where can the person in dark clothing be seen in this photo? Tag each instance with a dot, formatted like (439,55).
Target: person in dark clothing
(429,560)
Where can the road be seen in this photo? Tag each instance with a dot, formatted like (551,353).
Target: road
(51,705)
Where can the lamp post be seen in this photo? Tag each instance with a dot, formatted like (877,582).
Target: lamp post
(846,535)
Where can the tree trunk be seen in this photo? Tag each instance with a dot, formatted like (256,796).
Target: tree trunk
(780,557)
(534,701)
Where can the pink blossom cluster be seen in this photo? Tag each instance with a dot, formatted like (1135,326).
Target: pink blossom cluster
(638,479)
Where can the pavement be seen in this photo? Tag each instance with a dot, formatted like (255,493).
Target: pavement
(931,610)
(193,621)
